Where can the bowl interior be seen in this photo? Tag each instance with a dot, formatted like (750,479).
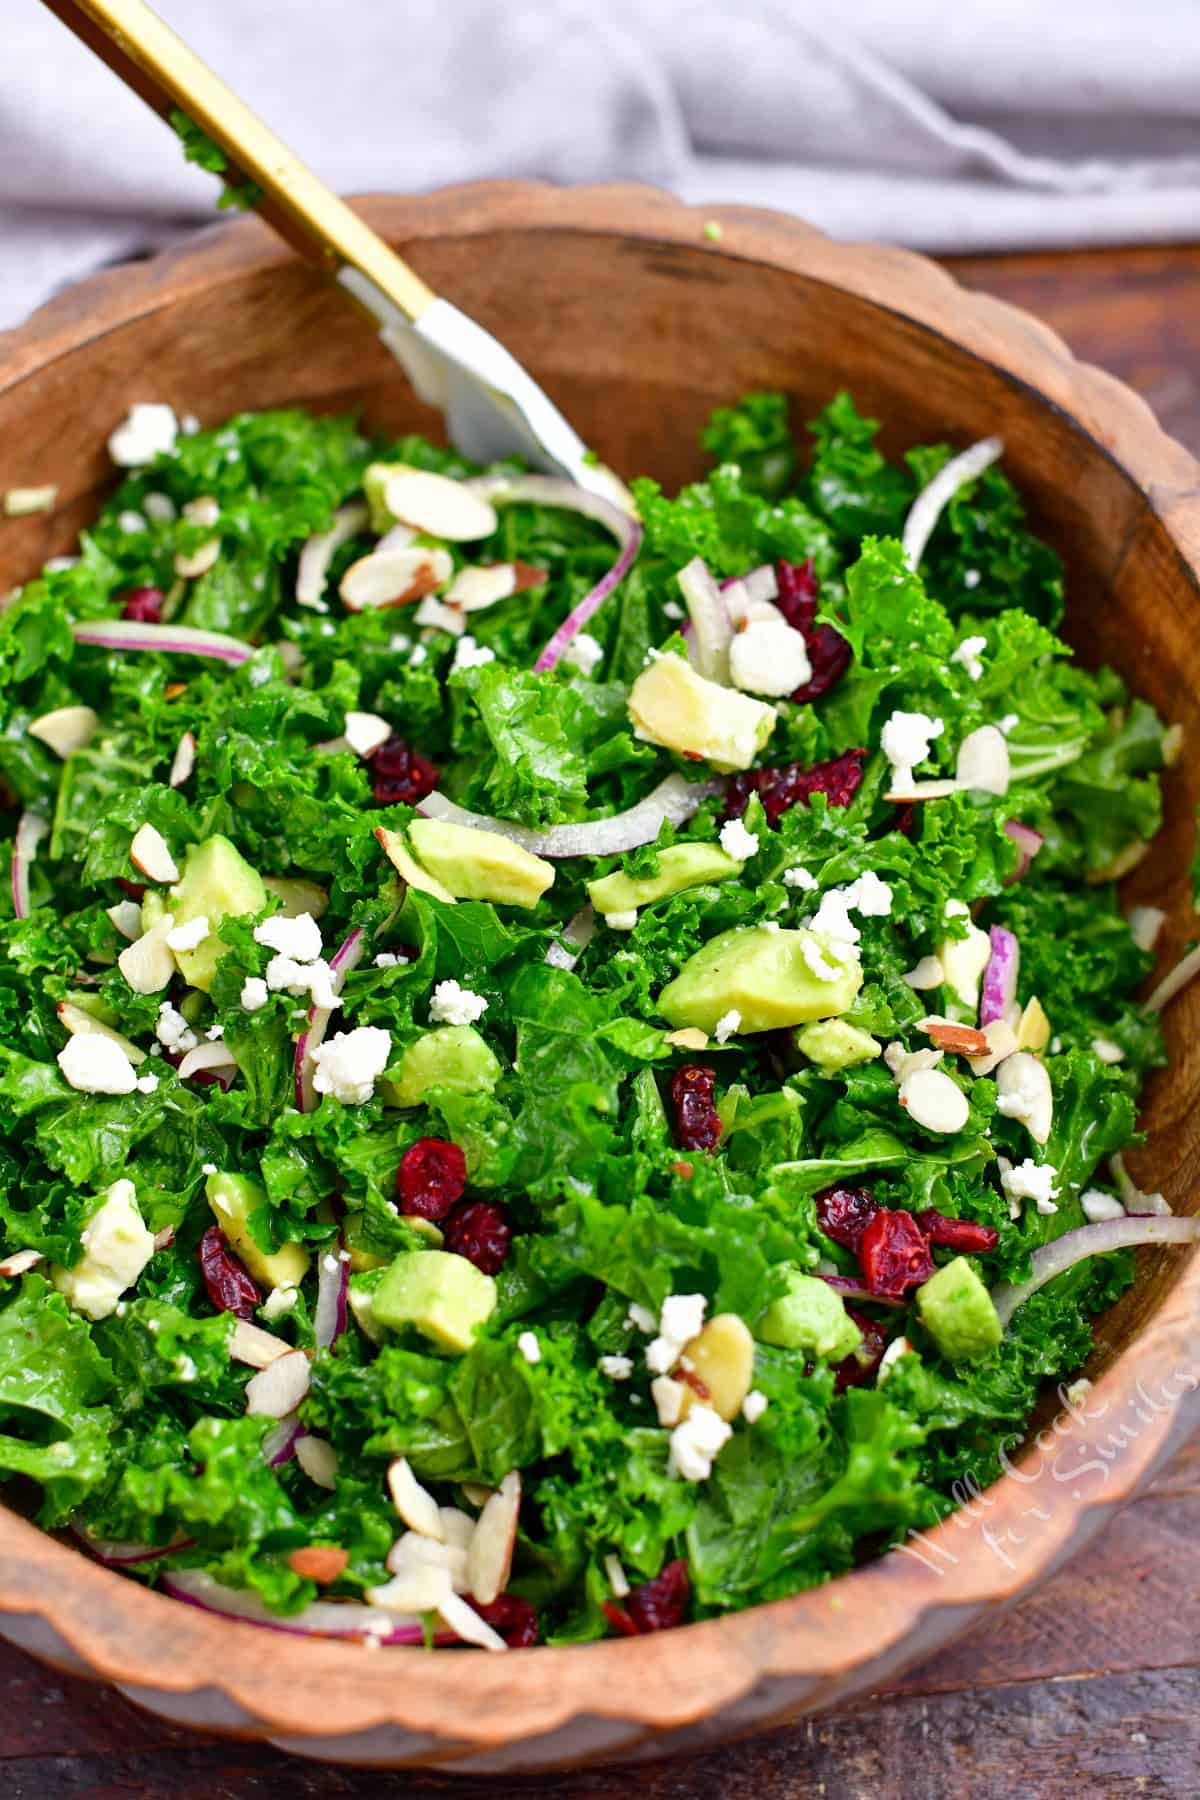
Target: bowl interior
(638,338)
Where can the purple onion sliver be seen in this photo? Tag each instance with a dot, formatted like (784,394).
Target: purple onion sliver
(323,1618)
(31,829)
(854,1290)
(674,799)
(279,1445)
(115,1555)
(999,991)
(346,957)
(333,1286)
(180,640)
(1028,842)
(1062,1253)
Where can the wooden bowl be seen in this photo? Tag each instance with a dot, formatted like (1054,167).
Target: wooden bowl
(638,324)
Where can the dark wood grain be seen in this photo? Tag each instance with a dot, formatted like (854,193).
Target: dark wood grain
(1091,1686)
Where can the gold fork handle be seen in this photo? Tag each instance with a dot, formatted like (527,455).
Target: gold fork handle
(155,63)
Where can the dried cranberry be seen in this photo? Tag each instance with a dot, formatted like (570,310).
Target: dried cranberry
(431,1178)
(697,1126)
(893,1253)
(904,818)
(400,776)
(143,605)
(229,1286)
(844,1213)
(135,890)
(829,654)
(957,1234)
(515,1619)
(480,1232)
(656,1605)
(780,789)
(862,1361)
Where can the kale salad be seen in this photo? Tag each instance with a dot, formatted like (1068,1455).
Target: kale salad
(563,1064)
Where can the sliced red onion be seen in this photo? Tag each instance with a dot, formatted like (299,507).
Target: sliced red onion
(124,1556)
(319,552)
(854,1290)
(579,933)
(1173,982)
(345,958)
(998,993)
(333,1287)
(1028,842)
(279,1445)
(1062,1253)
(547,490)
(31,829)
(324,1618)
(166,640)
(673,799)
(929,504)
(712,628)
(761,583)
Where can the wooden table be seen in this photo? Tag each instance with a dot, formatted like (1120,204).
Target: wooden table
(1092,1687)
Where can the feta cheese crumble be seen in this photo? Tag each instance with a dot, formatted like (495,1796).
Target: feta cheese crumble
(387,959)
(284,975)
(116,1248)
(584,652)
(254,994)
(667,1396)
(617,1368)
(905,742)
(680,1320)
(1099,1207)
(470,655)
(280,1301)
(754,1406)
(621,921)
(968,655)
(173,1030)
(737,842)
(348,1065)
(769,657)
(696,1442)
(727,1025)
(1032,1181)
(96,1065)
(640,1318)
(148,430)
(147,1084)
(455,1005)
(800,878)
(186,937)
(529,1347)
(298,938)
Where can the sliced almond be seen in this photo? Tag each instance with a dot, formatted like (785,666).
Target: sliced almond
(278,1389)
(257,1348)
(66,729)
(365,732)
(20,502)
(165,1238)
(489,1559)
(149,853)
(475,1495)
(418,1588)
(80,1023)
(415,1504)
(689,1038)
(206,1056)
(126,917)
(398,538)
(318,1459)
(321,1563)
(1001,1042)
(297,896)
(466,1623)
(184,760)
(922,790)
(934,1101)
(394,577)
(19,1263)
(717,1367)
(928,973)
(412,1549)
(1033,1027)
(203,510)
(435,617)
(319,551)
(402,860)
(960,1040)
(438,506)
(475,589)
(982,764)
(148,965)
(191,564)
(458,1527)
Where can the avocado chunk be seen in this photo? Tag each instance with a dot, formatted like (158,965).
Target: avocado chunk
(444,1297)
(217,882)
(408,868)
(451,1056)
(957,1312)
(834,1045)
(361,1297)
(375,479)
(232,1200)
(480,865)
(362,1260)
(679,866)
(964,960)
(671,705)
(766,977)
(810,1316)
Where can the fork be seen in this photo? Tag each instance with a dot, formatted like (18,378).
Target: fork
(492,406)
